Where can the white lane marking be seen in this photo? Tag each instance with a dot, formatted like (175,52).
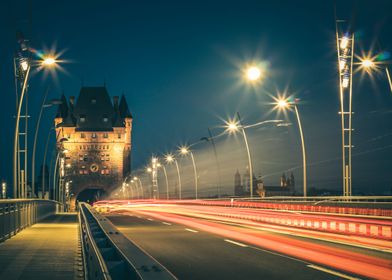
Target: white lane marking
(236,243)
(150,219)
(168,224)
(326,270)
(191,230)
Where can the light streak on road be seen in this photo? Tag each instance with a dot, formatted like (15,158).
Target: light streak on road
(243,225)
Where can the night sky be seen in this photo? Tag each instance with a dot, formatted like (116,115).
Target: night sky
(179,65)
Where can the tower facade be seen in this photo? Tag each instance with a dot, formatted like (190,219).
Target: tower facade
(94,143)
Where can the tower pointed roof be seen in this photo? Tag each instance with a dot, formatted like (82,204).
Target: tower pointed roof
(93,110)
(124,109)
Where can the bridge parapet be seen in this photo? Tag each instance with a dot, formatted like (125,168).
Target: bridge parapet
(109,254)
(17,214)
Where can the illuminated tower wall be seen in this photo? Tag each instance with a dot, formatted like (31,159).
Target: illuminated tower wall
(94,137)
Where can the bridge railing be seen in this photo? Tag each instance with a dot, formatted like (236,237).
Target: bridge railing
(17,214)
(108,254)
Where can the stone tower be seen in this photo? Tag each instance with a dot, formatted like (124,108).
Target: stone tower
(93,138)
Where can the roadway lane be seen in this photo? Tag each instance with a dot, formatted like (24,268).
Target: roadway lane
(193,254)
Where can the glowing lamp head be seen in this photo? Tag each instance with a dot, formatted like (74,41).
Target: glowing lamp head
(132,181)
(135,178)
(232,126)
(149,169)
(253,73)
(158,164)
(367,63)
(282,103)
(184,150)
(48,61)
(169,158)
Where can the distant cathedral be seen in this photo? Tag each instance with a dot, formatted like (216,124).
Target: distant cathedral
(241,188)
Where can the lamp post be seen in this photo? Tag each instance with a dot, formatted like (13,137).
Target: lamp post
(167,181)
(185,151)
(25,67)
(169,159)
(44,105)
(211,139)
(283,104)
(233,127)
(140,185)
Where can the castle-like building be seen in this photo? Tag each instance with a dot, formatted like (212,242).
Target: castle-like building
(241,188)
(93,141)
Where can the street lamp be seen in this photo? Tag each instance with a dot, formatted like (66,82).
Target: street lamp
(44,105)
(169,159)
(185,151)
(368,64)
(24,67)
(284,104)
(140,185)
(167,181)
(233,127)
(211,139)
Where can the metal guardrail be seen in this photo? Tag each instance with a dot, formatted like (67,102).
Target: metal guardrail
(110,255)
(17,214)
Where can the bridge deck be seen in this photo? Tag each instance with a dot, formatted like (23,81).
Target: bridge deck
(47,250)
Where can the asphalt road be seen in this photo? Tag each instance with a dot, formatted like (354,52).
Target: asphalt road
(193,254)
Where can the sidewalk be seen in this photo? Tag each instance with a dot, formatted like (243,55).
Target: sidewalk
(47,250)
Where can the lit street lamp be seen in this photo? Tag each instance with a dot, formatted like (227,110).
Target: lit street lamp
(185,151)
(167,181)
(140,185)
(368,64)
(233,127)
(211,139)
(24,67)
(283,104)
(169,159)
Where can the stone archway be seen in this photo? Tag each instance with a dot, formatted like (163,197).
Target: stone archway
(89,195)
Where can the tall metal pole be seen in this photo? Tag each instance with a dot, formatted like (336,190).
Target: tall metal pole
(195,173)
(217,161)
(35,141)
(55,190)
(167,181)
(345,52)
(179,178)
(141,186)
(303,150)
(249,156)
(389,78)
(16,136)
(44,164)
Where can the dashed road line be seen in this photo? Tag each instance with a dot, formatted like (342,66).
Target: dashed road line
(168,224)
(236,243)
(191,230)
(336,273)
(150,219)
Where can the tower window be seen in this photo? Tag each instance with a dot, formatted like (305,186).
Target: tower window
(82,135)
(94,135)
(82,118)
(93,101)
(105,119)
(119,136)
(105,135)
